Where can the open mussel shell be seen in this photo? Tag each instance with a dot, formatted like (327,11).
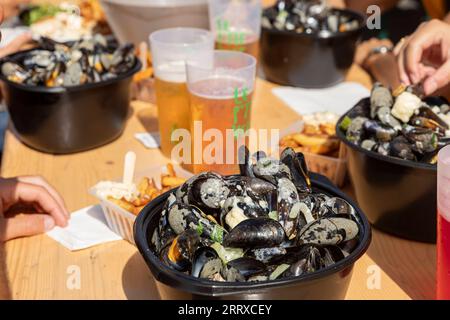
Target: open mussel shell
(307,258)
(296,163)
(426,112)
(179,254)
(206,263)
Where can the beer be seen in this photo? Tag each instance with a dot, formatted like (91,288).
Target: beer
(171,49)
(243,41)
(219,103)
(172,100)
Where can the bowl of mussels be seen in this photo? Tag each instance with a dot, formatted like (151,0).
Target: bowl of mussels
(274,231)
(306,44)
(393,139)
(69,97)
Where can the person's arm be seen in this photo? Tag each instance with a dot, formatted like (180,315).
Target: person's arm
(11,8)
(29,206)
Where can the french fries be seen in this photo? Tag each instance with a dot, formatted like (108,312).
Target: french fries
(145,56)
(148,191)
(318,137)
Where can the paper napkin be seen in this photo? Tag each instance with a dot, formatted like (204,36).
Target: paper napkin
(338,99)
(150,140)
(87,228)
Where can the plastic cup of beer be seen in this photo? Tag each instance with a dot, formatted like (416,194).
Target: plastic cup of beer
(236,24)
(221,88)
(170,48)
(443,241)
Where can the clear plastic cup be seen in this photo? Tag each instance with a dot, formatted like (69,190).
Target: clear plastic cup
(170,49)
(443,241)
(236,24)
(220,90)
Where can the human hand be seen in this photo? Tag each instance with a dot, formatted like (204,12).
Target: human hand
(365,48)
(29,206)
(425,56)
(11,8)
(16,45)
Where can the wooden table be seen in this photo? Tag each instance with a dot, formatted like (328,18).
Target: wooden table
(38,266)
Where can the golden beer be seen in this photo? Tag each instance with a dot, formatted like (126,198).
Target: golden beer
(219,103)
(251,47)
(172,99)
(243,41)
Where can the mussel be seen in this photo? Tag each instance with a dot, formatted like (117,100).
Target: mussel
(260,226)
(55,64)
(328,231)
(255,233)
(400,125)
(207,264)
(179,254)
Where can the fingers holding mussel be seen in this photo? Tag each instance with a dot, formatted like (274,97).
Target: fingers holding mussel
(264,225)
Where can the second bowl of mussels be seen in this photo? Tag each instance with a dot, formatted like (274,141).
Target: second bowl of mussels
(393,139)
(273,232)
(69,97)
(308,46)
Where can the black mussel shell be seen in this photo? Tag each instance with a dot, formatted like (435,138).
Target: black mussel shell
(255,233)
(201,257)
(299,170)
(362,109)
(247,267)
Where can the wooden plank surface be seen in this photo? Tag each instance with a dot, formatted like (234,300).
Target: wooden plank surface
(38,266)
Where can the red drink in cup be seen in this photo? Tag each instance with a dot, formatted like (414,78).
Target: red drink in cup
(443,241)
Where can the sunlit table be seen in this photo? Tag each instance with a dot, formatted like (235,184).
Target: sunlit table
(39,268)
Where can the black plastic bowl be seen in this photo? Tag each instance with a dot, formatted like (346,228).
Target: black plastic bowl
(307,60)
(71,119)
(326,284)
(398,196)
